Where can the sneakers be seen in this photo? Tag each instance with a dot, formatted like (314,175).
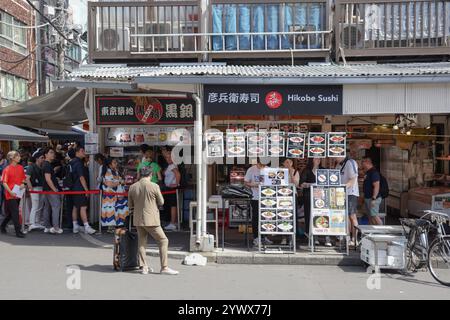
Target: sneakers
(267,241)
(316,242)
(169,272)
(55,231)
(146,270)
(46,230)
(351,243)
(76,229)
(89,230)
(170,227)
(328,242)
(256,242)
(35,227)
(20,234)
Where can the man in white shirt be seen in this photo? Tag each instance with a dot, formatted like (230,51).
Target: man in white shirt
(253,178)
(349,177)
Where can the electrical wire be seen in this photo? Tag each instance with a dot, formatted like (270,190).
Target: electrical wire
(24,27)
(50,22)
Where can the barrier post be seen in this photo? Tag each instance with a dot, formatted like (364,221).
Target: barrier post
(61,211)
(100,211)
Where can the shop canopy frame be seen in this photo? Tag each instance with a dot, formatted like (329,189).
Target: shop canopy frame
(12,133)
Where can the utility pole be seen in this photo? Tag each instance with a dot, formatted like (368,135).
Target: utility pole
(61,45)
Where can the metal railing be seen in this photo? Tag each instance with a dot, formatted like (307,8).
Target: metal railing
(391,28)
(232,42)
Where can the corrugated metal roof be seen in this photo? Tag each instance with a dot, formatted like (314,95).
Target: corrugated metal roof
(125,73)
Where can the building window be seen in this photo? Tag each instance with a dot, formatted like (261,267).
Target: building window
(12,37)
(13,89)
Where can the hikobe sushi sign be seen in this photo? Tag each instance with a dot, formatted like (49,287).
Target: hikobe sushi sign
(144,110)
(273,100)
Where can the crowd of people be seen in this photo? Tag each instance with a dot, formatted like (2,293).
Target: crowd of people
(304,180)
(47,172)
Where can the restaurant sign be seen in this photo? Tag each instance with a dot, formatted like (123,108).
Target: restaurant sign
(273,100)
(144,110)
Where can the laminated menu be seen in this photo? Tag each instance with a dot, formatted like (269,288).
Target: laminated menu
(317,145)
(214,143)
(236,144)
(334,177)
(276,144)
(296,145)
(336,144)
(320,197)
(257,144)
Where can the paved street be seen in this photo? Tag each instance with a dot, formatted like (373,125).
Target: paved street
(35,267)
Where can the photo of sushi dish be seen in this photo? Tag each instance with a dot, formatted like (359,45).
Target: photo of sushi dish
(296,139)
(256,138)
(268,203)
(268,192)
(236,150)
(317,139)
(316,150)
(285,203)
(285,226)
(268,227)
(336,138)
(255,151)
(277,151)
(296,152)
(285,215)
(276,137)
(268,215)
(285,192)
(337,150)
(235,138)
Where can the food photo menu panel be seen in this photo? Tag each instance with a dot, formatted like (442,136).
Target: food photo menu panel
(214,142)
(236,144)
(296,145)
(336,144)
(317,145)
(276,209)
(257,144)
(276,144)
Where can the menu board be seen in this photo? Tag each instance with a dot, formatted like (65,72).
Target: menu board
(317,145)
(275,176)
(214,144)
(336,144)
(296,145)
(277,209)
(276,144)
(236,144)
(257,144)
(153,136)
(328,210)
(327,177)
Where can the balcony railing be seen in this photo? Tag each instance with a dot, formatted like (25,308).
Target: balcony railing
(171,29)
(392,28)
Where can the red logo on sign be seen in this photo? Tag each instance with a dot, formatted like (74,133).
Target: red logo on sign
(148,110)
(274,99)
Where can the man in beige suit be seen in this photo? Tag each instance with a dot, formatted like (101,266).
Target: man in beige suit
(144,198)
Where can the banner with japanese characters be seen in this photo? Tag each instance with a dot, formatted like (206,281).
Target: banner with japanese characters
(273,100)
(144,110)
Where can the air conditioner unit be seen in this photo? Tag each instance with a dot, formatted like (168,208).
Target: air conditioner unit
(352,35)
(158,43)
(113,39)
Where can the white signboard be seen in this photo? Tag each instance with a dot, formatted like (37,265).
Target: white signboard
(116,152)
(91,138)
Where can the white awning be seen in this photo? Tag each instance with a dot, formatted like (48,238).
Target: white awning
(11,133)
(59,109)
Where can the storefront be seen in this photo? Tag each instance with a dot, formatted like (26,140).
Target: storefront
(302,99)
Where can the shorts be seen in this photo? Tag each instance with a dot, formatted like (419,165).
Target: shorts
(170,200)
(352,204)
(79,201)
(375,210)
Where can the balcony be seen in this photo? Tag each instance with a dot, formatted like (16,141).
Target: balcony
(231,29)
(391,28)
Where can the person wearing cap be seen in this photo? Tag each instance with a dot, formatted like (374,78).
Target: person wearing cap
(35,182)
(144,198)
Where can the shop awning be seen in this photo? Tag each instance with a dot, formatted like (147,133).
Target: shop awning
(61,134)
(59,109)
(11,133)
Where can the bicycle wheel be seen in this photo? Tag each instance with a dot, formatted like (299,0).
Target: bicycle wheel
(439,260)
(414,254)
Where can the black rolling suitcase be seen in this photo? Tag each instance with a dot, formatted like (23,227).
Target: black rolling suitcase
(125,256)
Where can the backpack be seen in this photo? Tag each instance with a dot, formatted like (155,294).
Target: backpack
(384,187)
(68,179)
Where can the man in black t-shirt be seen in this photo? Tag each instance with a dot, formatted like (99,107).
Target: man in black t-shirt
(52,201)
(80,202)
(372,195)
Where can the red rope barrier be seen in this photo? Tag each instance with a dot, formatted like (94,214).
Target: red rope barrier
(67,192)
(125,194)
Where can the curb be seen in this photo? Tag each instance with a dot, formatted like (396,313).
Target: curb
(220,257)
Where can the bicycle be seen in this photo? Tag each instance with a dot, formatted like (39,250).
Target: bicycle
(430,228)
